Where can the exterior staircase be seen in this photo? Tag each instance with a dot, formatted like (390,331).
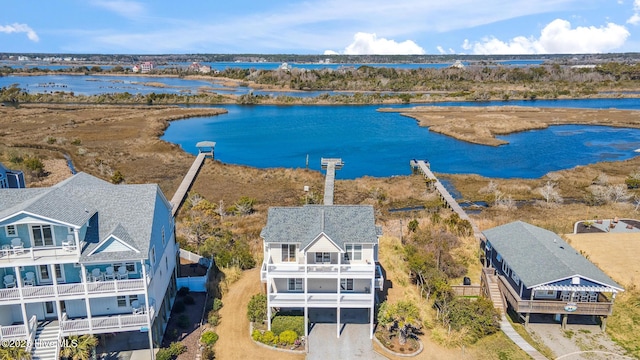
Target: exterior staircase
(494,291)
(46,340)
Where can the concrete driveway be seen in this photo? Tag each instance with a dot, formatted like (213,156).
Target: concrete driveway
(354,343)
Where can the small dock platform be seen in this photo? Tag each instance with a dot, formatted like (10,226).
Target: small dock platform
(205,150)
(424,167)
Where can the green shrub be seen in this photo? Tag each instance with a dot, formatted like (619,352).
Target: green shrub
(217,304)
(269,338)
(51,140)
(171,352)
(35,165)
(183,321)
(256,335)
(76,142)
(189,300)
(288,337)
(117,177)
(257,308)
(183,291)
(213,318)
(178,306)
(282,323)
(209,338)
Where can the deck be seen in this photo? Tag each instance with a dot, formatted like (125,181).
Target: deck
(331,165)
(521,306)
(179,195)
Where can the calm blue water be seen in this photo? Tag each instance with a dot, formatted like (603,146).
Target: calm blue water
(220,66)
(381,144)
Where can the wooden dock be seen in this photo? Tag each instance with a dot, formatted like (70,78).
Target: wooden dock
(179,195)
(423,167)
(331,165)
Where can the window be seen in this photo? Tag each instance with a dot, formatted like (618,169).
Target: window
(323,257)
(131,267)
(152,256)
(353,252)
(505,268)
(44,272)
(132,298)
(346,284)
(288,252)
(295,284)
(166,264)
(70,230)
(515,277)
(163,239)
(42,235)
(11,230)
(122,301)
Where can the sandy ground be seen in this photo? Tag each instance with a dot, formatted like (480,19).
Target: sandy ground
(577,341)
(615,253)
(235,342)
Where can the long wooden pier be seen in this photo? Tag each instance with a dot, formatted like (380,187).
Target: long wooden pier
(423,167)
(179,195)
(331,165)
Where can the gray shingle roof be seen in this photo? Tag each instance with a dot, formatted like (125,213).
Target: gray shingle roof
(539,256)
(342,223)
(126,211)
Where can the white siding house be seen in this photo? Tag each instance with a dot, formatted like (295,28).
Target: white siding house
(321,256)
(91,256)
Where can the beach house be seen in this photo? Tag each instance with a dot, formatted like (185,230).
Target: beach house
(86,257)
(321,260)
(539,273)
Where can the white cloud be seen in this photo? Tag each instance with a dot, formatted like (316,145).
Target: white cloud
(557,38)
(441,49)
(370,44)
(20,28)
(124,8)
(635,18)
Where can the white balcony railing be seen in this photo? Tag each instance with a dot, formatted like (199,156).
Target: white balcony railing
(74,289)
(105,324)
(317,270)
(346,299)
(18,331)
(29,255)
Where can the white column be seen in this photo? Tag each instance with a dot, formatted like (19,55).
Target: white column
(268,314)
(25,319)
(76,238)
(373,305)
(306,328)
(83,273)
(338,321)
(147,312)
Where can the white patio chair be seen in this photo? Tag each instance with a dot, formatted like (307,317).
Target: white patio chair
(69,244)
(96,275)
(17,246)
(29,279)
(122,273)
(136,307)
(109,274)
(9,281)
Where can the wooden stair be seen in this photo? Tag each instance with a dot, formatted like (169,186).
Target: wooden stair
(494,294)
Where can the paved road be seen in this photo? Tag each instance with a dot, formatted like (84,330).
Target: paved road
(354,343)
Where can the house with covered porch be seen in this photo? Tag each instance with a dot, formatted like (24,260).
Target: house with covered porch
(539,273)
(85,257)
(321,259)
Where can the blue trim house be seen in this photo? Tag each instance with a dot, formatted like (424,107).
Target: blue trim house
(11,178)
(90,256)
(540,273)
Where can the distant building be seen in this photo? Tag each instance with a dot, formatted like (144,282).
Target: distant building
(13,179)
(146,67)
(284,66)
(458,65)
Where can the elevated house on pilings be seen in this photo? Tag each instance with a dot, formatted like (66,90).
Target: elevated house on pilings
(539,273)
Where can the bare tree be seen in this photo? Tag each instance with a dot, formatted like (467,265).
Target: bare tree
(550,194)
(618,193)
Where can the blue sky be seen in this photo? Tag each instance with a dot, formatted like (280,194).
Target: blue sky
(320,26)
